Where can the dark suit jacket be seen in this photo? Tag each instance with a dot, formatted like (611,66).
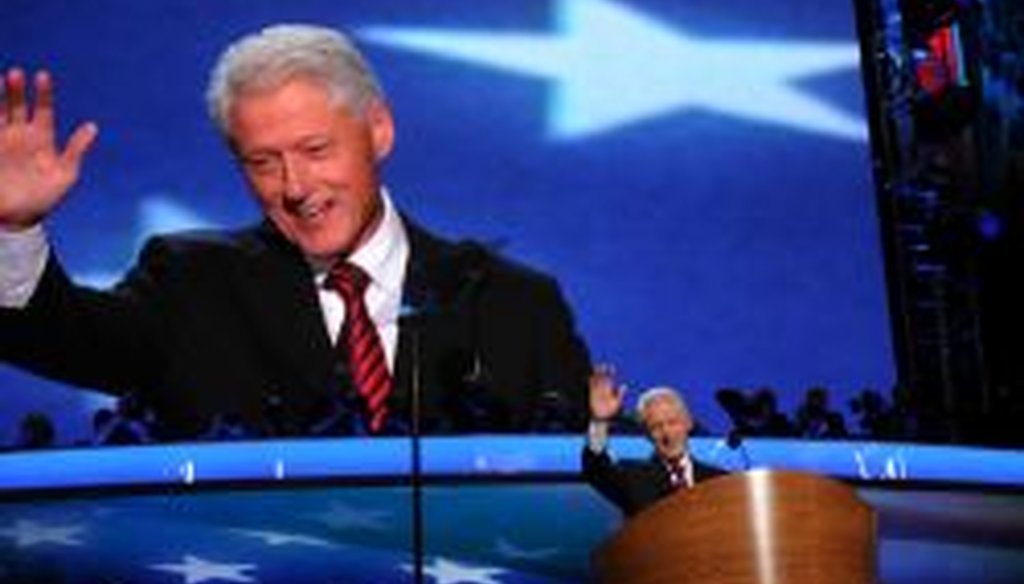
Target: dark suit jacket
(634,485)
(210,323)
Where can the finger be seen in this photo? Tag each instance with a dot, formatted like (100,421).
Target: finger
(604,370)
(43,111)
(79,143)
(17,109)
(620,391)
(602,384)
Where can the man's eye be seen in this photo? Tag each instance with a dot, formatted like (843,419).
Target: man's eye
(259,164)
(317,149)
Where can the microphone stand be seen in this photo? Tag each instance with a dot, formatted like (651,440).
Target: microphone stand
(416,478)
(735,441)
(416,318)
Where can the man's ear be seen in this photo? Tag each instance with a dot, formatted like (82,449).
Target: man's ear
(382,128)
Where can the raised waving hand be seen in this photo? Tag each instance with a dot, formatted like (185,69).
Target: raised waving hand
(35,173)
(606,394)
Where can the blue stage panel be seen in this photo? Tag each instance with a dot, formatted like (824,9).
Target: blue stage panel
(497,510)
(483,456)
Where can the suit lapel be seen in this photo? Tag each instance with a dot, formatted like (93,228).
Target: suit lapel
(432,281)
(281,295)
(418,297)
(660,476)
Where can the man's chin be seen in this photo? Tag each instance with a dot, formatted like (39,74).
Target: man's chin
(320,249)
(670,453)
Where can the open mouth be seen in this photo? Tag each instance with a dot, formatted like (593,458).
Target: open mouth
(309,211)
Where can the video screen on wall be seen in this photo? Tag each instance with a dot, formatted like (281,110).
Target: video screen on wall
(696,174)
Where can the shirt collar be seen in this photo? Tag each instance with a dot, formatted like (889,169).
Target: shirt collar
(683,458)
(383,255)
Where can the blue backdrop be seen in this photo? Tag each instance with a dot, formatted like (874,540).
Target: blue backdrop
(696,173)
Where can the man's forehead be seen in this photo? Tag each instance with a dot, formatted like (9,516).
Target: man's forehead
(663,404)
(664,398)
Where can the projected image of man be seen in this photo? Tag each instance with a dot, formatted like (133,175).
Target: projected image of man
(322,317)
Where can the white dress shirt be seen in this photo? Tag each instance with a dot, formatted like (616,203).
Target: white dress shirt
(686,476)
(383,257)
(597,436)
(22,261)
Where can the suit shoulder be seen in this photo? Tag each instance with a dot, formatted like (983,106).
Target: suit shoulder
(206,251)
(638,464)
(469,255)
(707,470)
(207,246)
(208,240)
(506,267)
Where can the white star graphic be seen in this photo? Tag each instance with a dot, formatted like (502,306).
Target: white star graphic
(341,516)
(276,538)
(449,572)
(163,213)
(196,570)
(610,65)
(158,213)
(29,533)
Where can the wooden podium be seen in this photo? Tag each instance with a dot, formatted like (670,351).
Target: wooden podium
(758,527)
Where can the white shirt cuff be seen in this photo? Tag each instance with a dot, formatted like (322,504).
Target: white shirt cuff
(597,436)
(23,256)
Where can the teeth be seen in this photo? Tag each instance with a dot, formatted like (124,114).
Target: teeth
(310,211)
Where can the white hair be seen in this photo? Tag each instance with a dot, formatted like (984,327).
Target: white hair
(660,392)
(271,57)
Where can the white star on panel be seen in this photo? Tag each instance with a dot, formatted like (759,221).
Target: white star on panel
(29,533)
(196,570)
(610,66)
(449,572)
(276,538)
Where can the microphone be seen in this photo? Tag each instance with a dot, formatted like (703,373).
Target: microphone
(446,285)
(415,314)
(734,440)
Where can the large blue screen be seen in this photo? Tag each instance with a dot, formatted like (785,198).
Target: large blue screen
(696,173)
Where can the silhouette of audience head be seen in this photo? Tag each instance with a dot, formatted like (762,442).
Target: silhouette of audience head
(35,431)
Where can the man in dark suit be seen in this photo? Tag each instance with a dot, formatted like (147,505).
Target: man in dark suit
(634,485)
(326,316)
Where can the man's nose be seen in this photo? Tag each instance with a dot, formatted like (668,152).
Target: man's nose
(295,177)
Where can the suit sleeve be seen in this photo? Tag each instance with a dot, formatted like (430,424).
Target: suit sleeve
(605,476)
(564,361)
(107,340)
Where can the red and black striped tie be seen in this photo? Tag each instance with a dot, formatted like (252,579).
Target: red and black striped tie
(361,343)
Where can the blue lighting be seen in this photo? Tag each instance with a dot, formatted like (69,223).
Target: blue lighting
(482,456)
